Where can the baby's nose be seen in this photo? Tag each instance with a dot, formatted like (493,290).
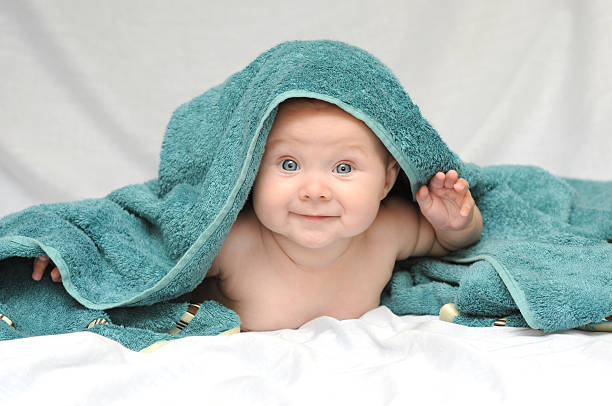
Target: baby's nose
(315,189)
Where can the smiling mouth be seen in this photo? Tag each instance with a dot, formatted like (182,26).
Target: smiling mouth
(315,218)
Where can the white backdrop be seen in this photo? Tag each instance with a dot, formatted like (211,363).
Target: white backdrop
(87,87)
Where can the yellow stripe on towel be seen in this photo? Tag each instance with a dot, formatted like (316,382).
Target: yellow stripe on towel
(155,346)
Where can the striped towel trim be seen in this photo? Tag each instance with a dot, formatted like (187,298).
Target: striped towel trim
(186,318)
(96,322)
(7,321)
(604,325)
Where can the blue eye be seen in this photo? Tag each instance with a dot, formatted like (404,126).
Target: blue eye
(289,165)
(343,168)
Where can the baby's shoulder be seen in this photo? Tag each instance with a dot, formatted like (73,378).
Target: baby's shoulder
(241,238)
(396,223)
(242,234)
(397,211)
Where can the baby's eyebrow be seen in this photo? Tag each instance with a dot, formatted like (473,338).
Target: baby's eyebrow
(277,145)
(357,147)
(273,142)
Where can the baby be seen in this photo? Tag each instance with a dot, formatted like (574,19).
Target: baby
(320,236)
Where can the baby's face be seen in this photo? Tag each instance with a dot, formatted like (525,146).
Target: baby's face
(322,176)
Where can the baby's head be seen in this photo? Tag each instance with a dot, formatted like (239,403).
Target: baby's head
(322,176)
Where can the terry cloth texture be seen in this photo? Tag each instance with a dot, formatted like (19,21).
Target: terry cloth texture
(131,257)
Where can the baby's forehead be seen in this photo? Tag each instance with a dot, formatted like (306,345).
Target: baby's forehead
(305,102)
(303,108)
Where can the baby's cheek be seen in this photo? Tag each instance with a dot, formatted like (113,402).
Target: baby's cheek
(364,215)
(270,207)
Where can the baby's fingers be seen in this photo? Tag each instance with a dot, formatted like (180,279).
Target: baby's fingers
(55,275)
(450,179)
(424,198)
(444,180)
(437,181)
(40,264)
(468,204)
(461,186)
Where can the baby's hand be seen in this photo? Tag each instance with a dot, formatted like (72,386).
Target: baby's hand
(40,264)
(447,203)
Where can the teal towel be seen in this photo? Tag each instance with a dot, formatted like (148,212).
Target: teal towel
(544,258)
(132,257)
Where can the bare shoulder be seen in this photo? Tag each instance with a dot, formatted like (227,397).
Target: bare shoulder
(241,238)
(397,222)
(397,211)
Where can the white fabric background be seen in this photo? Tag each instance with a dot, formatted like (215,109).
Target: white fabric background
(86,91)
(88,87)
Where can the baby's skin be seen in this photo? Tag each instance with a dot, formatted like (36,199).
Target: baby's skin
(321,237)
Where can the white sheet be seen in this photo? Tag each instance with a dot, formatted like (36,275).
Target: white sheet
(381,359)
(87,89)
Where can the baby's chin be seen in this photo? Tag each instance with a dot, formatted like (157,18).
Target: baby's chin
(317,236)
(315,244)
(317,241)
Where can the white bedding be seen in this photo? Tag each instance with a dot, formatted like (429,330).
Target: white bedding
(381,359)
(87,89)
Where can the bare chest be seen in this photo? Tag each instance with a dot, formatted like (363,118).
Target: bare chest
(269,295)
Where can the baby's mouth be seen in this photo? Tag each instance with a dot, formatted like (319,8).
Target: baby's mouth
(315,217)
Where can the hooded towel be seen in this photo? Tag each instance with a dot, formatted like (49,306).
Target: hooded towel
(129,260)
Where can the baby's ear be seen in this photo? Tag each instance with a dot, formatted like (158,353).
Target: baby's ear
(390,176)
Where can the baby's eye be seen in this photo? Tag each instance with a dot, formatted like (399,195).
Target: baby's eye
(289,165)
(343,168)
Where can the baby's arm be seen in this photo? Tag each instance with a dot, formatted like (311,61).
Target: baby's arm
(40,264)
(448,206)
(223,269)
